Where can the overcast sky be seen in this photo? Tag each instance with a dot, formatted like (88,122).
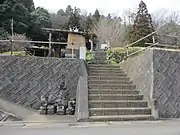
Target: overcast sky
(108,6)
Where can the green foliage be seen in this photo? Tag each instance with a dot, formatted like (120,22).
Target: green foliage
(142,25)
(74,19)
(3,36)
(115,56)
(14,9)
(97,15)
(29,4)
(89,57)
(16,53)
(40,18)
(27,19)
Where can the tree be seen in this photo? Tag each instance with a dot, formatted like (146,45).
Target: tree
(29,4)
(27,19)
(14,9)
(109,31)
(109,16)
(4,46)
(142,26)
(162,17)
(17,46)
(60,20)
(74,19)
(69,11)
(40,18)
(96,16)
(89,23)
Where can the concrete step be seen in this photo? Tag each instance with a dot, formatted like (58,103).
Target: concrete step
(114,97)
(109,82)
(100,61)
(120,118)
(95,91)
(106,71)
(103,66)
(117,104)
(119,111)
(108,74)
(111,86)
(109,78)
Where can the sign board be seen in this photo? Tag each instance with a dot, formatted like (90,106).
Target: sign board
(103,46)
(82,53)
(78,40)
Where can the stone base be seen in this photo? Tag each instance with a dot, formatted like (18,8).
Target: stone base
(50,110)
(61,110)
(43,110)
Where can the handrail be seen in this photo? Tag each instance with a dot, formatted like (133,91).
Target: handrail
(143,49)
(143,38)
(163,45)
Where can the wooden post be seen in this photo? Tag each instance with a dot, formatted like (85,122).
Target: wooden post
(72,50)
(12,35)
(153,39)
(44,53)
(34,52)
(50,47)
(91,45)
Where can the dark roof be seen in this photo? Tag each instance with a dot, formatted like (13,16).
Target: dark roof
(64,31)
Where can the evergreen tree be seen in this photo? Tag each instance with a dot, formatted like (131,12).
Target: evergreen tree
(97,15)
(40,18)
(89,22)
(109,16)
(14,9)
(29,4)
(74,19)
(69,11)
(142,26)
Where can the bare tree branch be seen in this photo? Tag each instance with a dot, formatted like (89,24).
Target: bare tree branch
(110,30)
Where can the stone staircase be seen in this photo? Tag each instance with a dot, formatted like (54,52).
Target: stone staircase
(113,97)
(100,57)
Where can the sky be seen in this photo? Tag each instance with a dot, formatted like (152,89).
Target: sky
(117,7)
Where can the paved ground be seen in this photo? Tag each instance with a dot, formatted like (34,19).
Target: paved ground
(125,128)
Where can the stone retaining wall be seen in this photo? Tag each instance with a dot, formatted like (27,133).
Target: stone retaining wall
(24,79)
(157,75)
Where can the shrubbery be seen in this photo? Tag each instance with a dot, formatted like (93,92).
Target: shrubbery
(89,57)
(115,56)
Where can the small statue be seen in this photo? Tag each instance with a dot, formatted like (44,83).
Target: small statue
(51,100)
(51,105)
(63,83)
(50,109)
(43,101)
(61,104)
(71,107)
(43,107)
(60,110)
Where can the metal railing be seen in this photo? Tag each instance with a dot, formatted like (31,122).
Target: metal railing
(139,40)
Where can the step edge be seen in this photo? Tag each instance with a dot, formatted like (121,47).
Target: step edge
(113,90)
(135,101)
(99,109)
(120,116)
(119,95)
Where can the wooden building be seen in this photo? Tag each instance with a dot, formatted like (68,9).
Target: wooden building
(59,40)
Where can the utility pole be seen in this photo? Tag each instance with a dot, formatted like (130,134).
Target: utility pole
(12,35)
(72,50)
(50,47)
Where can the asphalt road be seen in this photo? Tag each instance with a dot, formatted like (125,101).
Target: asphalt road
(139,128)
